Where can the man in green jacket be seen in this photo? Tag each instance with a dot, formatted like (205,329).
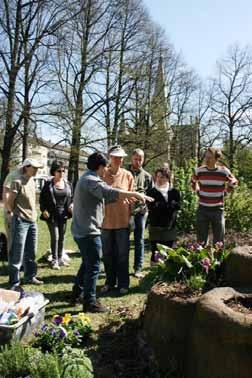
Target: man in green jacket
(143,182)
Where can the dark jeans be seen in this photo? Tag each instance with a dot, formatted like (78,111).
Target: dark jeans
(210,216)
(154,246)
(57,231)
(23,249)
(139,223)
(116,257)
(91,251)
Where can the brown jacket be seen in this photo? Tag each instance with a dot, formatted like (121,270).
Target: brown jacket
(117,215)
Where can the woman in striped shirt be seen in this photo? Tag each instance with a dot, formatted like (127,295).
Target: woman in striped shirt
(212,182)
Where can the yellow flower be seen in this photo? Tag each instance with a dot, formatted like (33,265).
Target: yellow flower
(85,319)
(67,319)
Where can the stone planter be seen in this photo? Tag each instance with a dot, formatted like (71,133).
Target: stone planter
(221,337)
(238,267)
(167,322)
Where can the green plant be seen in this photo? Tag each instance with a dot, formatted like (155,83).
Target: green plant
(13,361)
(62,331)
(75,364)
(194,264)
(182,181)
(48,366)
(238,209)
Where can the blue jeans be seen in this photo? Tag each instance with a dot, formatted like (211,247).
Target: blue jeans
(116,257)
(23,249)
(139,223)
(91,251)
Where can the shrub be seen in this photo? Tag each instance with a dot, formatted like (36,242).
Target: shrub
(238,209)
(182,181)
(13,361)
(18,361)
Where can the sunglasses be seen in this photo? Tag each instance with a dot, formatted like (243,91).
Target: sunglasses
(60,170)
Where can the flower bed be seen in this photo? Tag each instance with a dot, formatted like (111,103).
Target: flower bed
(182,275)
(198,267)
(65,330)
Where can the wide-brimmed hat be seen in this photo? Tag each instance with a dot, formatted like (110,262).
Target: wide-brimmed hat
(117,151)
(34,163)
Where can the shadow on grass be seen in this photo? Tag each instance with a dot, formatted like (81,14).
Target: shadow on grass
(59,279)
(119,352)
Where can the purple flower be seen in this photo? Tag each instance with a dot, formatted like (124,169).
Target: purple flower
(206,264)
(53,332)
(44,327)
(57,319)
(63,333)
(76,333)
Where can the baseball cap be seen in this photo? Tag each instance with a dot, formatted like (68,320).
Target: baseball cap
(117,151)
(34,163)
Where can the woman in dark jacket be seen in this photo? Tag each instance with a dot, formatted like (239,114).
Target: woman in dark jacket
(162,212)
(56,206)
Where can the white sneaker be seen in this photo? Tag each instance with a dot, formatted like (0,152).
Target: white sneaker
(138,274)
(65,256)
(55,265)
(62,262)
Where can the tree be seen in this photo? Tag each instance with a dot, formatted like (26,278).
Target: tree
(232,99)
(24,27)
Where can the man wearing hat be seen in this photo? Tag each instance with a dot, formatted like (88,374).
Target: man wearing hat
(21,207)
(115,228)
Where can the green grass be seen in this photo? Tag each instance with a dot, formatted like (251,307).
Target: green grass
(58,283)
(113,347)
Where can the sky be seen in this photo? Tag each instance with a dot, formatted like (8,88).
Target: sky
(203,29)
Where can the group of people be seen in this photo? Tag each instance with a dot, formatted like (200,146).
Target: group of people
(108,202)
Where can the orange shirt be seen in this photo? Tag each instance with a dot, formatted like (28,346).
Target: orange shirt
(117,214)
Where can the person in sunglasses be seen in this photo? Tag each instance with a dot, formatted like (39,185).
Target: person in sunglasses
(56,201)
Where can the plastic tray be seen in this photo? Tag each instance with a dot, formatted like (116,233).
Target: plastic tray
(24,328)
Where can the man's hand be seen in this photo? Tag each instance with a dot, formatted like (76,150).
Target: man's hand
(143,198)
(46,215)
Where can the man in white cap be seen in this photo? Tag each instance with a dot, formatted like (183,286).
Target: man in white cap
(21,207)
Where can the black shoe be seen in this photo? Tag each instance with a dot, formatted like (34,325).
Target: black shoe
(77,295)
(95,307)
(76,299)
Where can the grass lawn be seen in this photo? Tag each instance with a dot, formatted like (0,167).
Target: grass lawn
(113,347)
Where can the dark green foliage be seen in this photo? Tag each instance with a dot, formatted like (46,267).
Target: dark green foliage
(13,361)
(48,366)
(182,181)
(18,361)
(238,209)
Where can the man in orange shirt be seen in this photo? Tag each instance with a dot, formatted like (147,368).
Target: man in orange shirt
(115,229)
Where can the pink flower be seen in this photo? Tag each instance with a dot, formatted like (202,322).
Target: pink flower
(219,245)
(206,264)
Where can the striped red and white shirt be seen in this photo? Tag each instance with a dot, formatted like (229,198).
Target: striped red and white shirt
(212,184)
